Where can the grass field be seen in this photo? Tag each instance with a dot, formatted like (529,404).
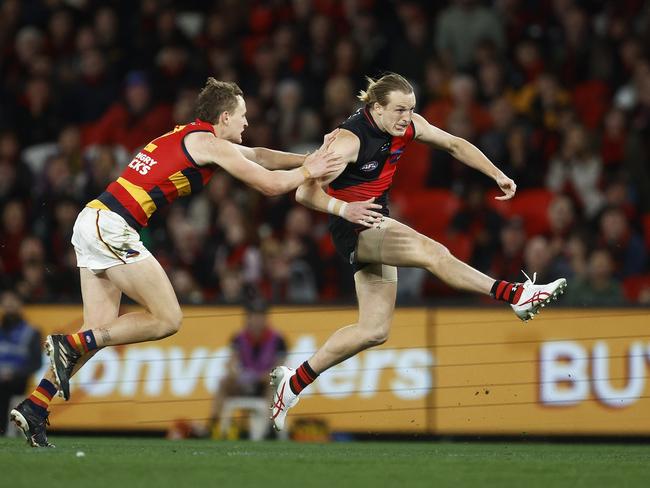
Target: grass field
(135,462)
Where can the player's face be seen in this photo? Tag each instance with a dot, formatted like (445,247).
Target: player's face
(396,115)
(237,121)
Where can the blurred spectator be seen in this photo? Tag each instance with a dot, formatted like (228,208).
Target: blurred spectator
(36,117)
(614,138)
(255,351)
(20,353)
(93,91)
(135,121)
(538,259)
(462,99)
(462,26)
(415,40)
(562,222)
(577,170)
(598,287)
(15,175)
(482,224)
(625,246)
(509,261)
(186,288)
(14,231)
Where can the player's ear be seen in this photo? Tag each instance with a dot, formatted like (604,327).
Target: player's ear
(377,107)
(224,118)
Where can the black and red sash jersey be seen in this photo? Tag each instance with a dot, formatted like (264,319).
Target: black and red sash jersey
(372,173)
(160,173)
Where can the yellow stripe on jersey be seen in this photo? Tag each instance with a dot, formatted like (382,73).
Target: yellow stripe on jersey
(97,204)
(139,195)
(151,147)
(181,183)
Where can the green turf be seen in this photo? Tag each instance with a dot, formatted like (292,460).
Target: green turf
(134,462)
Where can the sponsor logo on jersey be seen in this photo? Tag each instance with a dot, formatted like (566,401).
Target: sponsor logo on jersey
(372,165)
(142,163)
(395,155)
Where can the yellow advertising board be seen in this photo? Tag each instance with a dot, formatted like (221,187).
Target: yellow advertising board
(443,371)
(566,372)
(150,385)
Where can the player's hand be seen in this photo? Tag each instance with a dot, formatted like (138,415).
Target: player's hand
(322,162)
(508,187)
(363,213)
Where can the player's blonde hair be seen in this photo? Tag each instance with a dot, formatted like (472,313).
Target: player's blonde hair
(215,98)
(378,90)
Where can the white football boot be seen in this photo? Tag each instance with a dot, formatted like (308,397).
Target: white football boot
(283,397)
(535,297)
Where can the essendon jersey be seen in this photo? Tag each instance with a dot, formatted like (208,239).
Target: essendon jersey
(160,173)
(372,173)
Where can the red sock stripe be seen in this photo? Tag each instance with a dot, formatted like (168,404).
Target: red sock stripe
(38,401)
(84,344)
(311,378)
(295,384)
(71,341)
(506,292)
(304,376)
(500,287)
(520,290)
(44,392)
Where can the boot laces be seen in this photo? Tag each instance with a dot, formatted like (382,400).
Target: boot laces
(528,281)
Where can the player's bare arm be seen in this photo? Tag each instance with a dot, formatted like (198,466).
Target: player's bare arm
(465,152)
(207,149)
(311,194)
(272,159)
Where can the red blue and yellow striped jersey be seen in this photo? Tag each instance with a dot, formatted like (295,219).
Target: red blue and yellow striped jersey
(160,173)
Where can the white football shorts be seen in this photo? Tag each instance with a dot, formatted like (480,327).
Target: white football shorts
(102,239)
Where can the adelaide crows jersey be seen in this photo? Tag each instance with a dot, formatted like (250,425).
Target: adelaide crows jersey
(372,173)
(159,174)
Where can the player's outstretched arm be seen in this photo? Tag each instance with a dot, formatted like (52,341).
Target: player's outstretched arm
(465,152)
(272,159)
(311,193)
(207,149)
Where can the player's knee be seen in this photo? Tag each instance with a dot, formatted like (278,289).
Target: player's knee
(170,322)
(377,337)
(435,253)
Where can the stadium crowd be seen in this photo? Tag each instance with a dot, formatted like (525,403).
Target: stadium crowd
(555,92)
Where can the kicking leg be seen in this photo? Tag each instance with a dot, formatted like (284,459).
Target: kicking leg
(397,244)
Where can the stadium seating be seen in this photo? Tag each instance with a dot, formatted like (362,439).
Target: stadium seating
(430,211)
(531,205)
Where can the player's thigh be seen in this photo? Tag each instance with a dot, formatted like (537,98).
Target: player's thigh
(397,244)
(147,283)
(101,298)
(376,292)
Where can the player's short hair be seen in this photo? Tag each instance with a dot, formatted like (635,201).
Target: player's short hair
(378,90)
(215,98)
